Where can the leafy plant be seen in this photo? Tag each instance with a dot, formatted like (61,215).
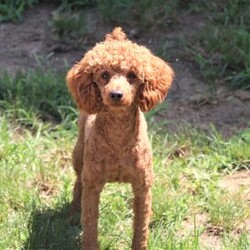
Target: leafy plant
(13,9)
(223,46)
(44,94)
(227,211)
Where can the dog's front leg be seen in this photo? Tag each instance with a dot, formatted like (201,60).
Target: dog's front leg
(142,213)
(90,213)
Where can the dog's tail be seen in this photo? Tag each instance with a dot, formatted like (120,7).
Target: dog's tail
(117,34)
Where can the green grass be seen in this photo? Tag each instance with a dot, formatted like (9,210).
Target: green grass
(13,9)
(37,177)
(22,97)
(222,47)
(227,211)
(145,14)
(74,20)
(38,131)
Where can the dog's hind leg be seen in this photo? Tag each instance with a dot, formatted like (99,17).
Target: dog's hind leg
(77,158)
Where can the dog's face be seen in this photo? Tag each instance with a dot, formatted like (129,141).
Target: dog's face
(118,88)
(118,73)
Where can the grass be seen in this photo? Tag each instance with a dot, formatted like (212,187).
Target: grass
(13,9)
(22,97)
(38,131)
(37,177)
(78,19)
(227,211)
(145,14)
(222,47)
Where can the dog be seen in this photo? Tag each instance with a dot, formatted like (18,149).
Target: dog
(113,84)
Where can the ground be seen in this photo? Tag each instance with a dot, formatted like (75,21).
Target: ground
(26,43)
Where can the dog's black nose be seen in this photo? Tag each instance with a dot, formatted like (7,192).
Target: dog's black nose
(116,95)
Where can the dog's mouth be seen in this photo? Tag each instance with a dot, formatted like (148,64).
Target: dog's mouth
(117,104)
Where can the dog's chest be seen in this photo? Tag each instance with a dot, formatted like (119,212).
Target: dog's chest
(114,164)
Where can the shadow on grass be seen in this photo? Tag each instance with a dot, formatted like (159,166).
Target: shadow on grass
(52,229)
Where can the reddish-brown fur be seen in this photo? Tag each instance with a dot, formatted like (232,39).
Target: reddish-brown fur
(112,85)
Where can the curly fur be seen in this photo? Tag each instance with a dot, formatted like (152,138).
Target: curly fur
(112,85)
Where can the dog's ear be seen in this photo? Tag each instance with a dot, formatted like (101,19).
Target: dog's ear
(158,77)
(85,92)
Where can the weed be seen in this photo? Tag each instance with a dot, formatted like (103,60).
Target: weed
(223,48)
(71,18)
(144,13)
(13,9)
(75,4)
(35,95)
(229,58)
(243,241)
(117,11)
(228,211)
(70,25)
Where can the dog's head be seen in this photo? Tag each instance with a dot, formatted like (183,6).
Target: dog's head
(118,73)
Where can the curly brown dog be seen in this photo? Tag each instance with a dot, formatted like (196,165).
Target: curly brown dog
(112,85)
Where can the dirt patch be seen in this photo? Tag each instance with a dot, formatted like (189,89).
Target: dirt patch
(237,181)
(212,235)
(199,223)
(211,241)
(26,43)
(192,101)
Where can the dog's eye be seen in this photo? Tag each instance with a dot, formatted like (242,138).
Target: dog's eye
(131,76)
(105,75)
